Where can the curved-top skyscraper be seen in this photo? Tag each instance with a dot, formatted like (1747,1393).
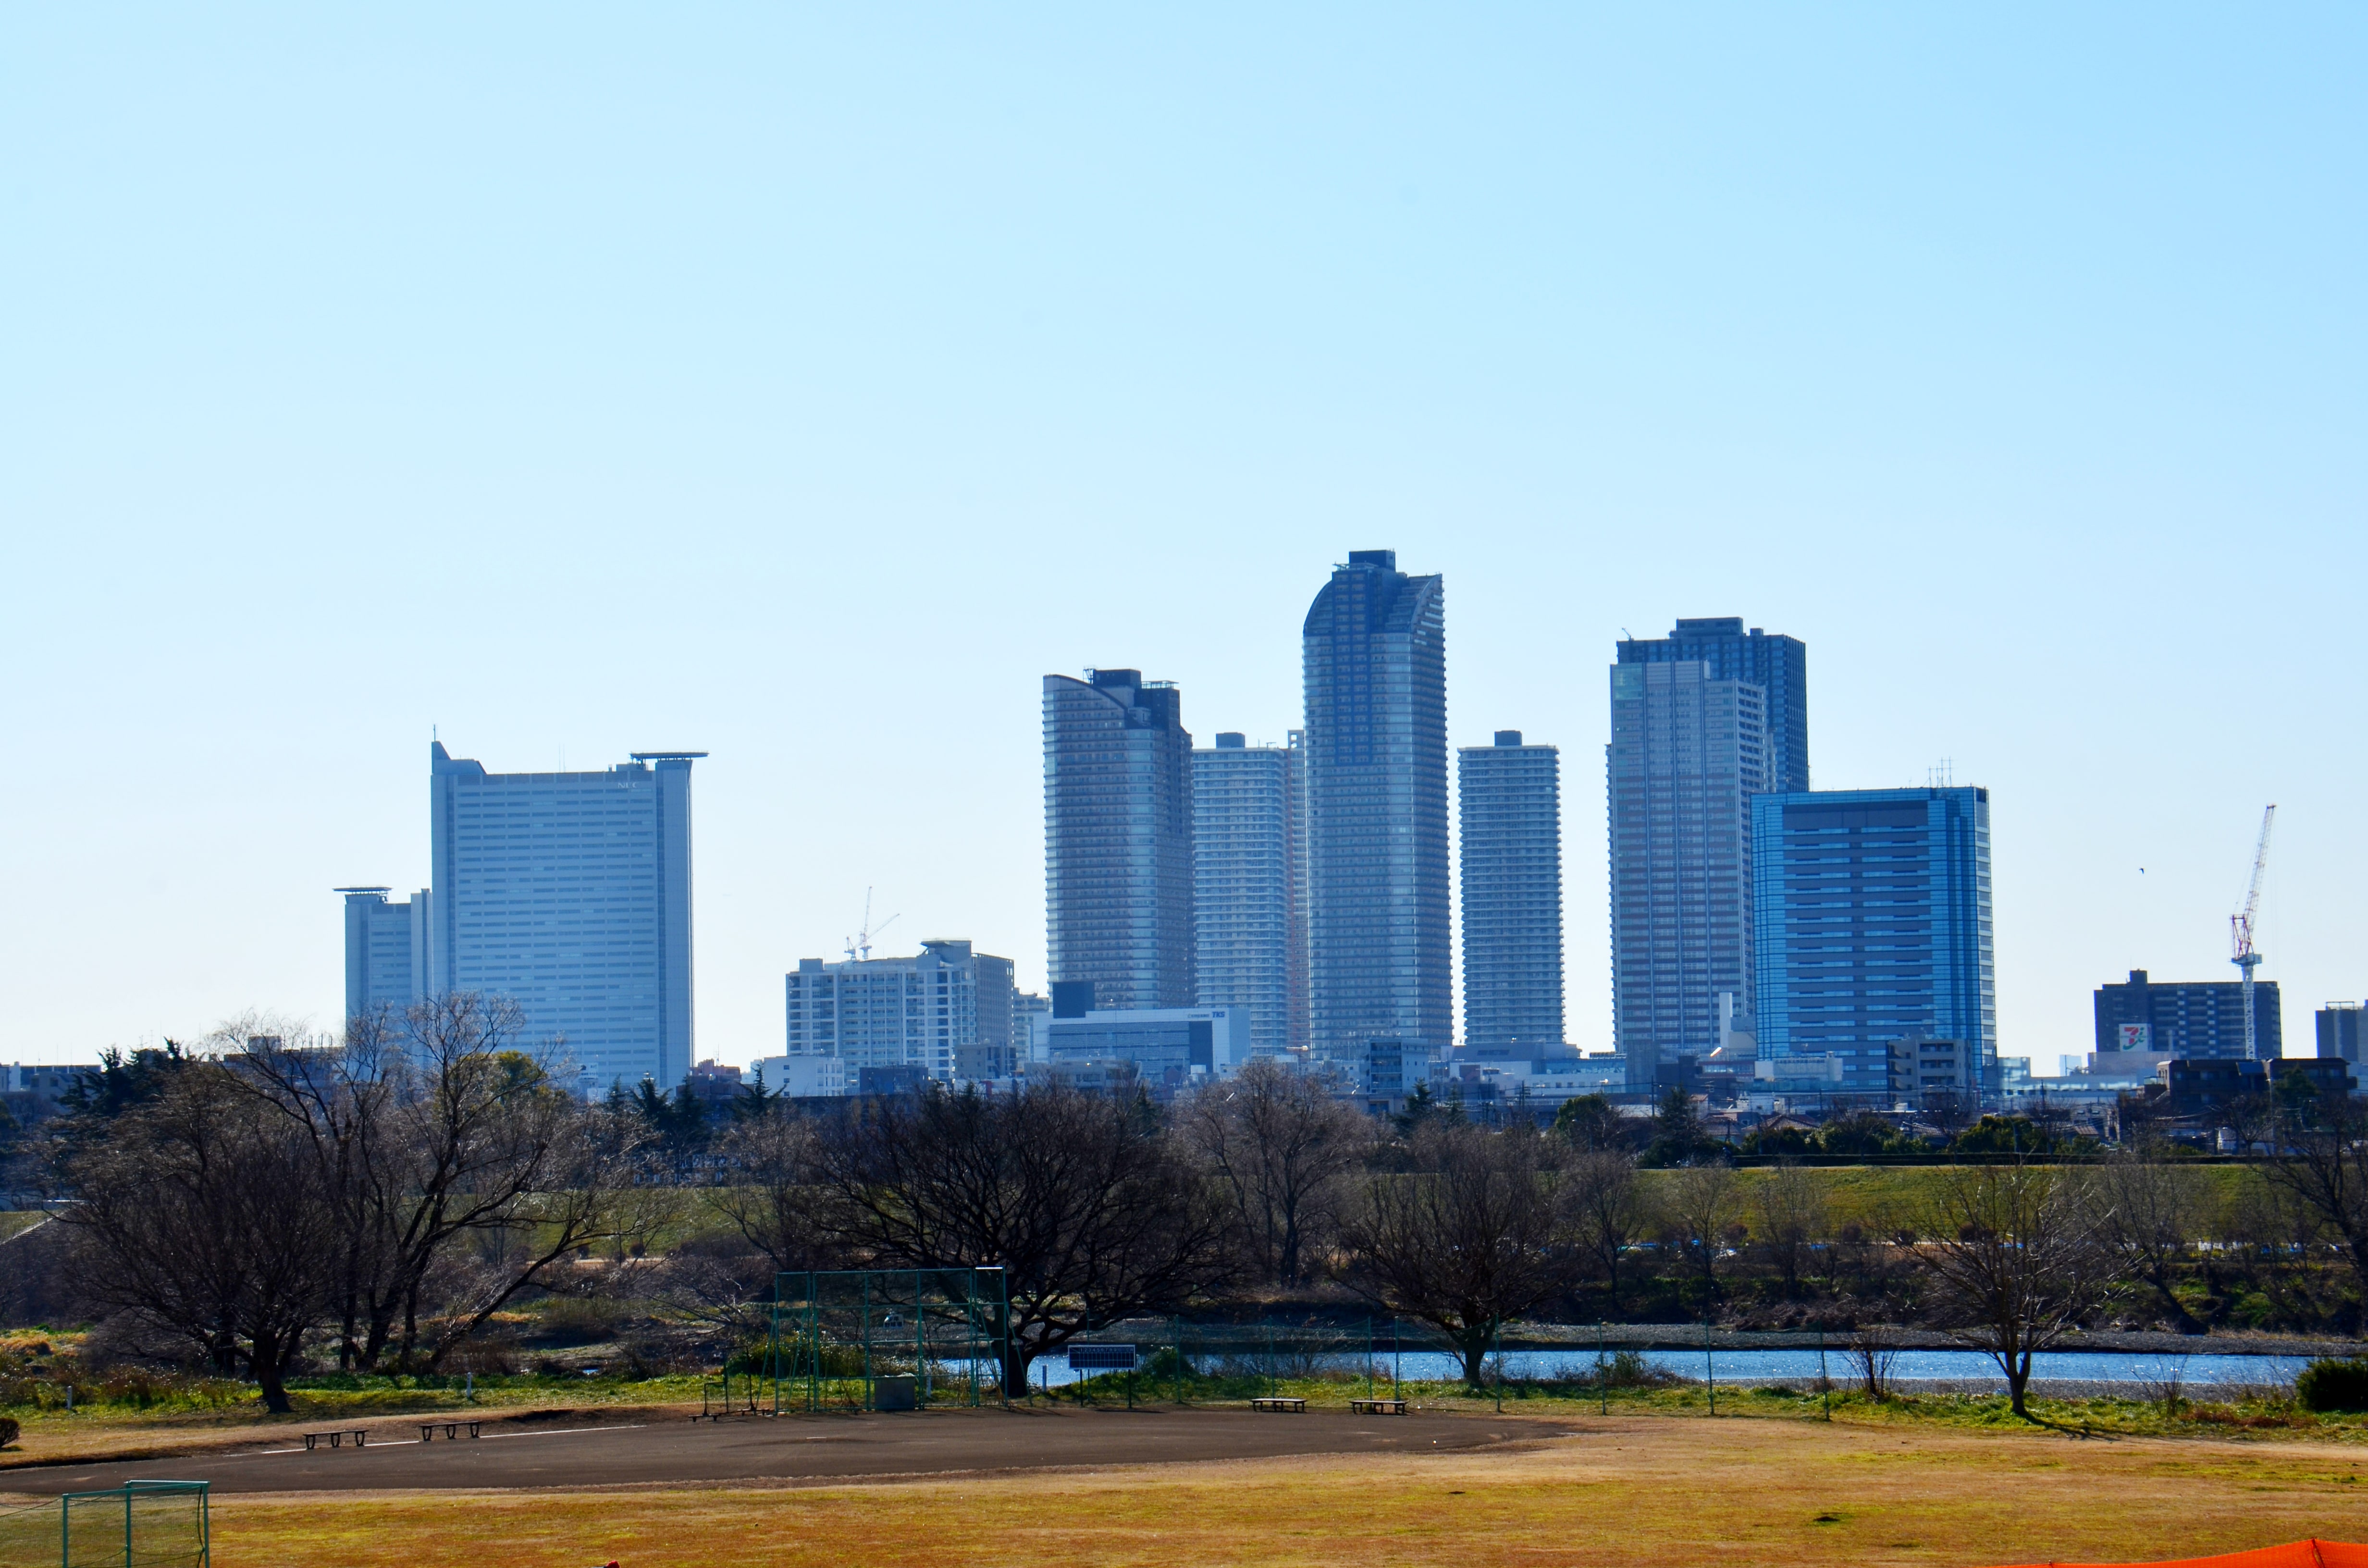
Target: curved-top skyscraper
(1118,838)
(1373,650)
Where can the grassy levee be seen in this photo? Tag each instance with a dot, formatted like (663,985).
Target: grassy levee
(1879,1196)
(1625,1490)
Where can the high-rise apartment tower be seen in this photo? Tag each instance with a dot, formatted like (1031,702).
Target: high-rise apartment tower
(1509,800)
(1778,666)
(1688,752)
(1248,924)
(1871,917)
(1118,838)
(1374,652)
(570,893)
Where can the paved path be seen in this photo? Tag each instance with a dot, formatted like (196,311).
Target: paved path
(793,1449)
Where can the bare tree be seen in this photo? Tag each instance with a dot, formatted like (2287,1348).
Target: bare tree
(1474,1235)
(1789,1205)
(1699,1205)
(426,1128)
(203,1214)
(1870,1353)
(1087,1203)
(1603,1208)
(2324,1165)
(771,1196)
(1279,1143)
(2154,1210)
(2019,1257)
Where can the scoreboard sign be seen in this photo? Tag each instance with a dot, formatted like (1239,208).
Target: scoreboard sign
(1101,1358)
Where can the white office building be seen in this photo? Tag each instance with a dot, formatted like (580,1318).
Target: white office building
(919,1011)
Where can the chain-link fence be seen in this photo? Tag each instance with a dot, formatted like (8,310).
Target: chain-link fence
(29,1534)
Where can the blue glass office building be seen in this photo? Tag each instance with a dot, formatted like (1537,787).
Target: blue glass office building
(570,893)
(1871,915)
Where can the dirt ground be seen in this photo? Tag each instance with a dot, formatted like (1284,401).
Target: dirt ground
(575,1447)
(1582,1493)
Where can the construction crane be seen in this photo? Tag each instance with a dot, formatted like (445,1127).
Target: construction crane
(2240,932)
(860,945)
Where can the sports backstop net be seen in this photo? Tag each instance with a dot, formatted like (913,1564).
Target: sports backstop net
(144,1524)
(887,1339)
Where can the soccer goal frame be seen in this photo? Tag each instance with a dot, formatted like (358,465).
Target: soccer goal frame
(888,1338)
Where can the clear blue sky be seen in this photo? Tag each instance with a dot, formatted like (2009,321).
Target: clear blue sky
(802,384)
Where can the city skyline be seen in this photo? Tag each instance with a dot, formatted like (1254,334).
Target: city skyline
(628,397)
(373,921)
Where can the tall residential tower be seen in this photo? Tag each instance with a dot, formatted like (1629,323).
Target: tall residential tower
(1688,752)
(1118,838)
(1249,921)
(1375,667)
(1509,804)
(570,893)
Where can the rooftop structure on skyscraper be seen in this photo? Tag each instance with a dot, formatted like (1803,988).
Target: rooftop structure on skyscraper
(1778,666)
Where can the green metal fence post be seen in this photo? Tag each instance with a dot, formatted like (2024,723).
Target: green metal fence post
(1825,1383)
(1497,1334)
(1180,1357)
(1370,1351)
(1709,1371)
(1602,1373)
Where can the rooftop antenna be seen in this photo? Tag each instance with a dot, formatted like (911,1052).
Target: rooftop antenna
(860,945)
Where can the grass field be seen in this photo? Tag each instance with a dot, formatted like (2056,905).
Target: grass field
(1627,1490)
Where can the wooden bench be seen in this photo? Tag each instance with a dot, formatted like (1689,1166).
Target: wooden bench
(336,1438)
(451,1429)
(1378,1407)
(1296,1406)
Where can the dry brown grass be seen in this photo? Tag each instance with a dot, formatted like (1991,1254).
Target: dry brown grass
(1629,1491)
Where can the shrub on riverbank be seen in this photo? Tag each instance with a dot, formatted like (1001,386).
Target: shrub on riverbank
(2328,1385)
